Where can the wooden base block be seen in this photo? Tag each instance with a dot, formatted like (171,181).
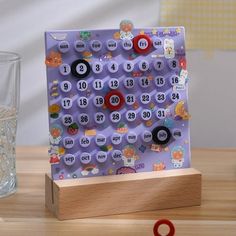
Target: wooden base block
(107,195)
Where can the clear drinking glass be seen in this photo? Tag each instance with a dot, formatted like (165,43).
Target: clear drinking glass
(9,105)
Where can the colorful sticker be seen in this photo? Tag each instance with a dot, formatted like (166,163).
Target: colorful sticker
(159,166)
(85,35)
(177,156)
(129,155)
(169,50)
(93,169)
(126,26)
(56,132)
(180,111)
(122,128)
(53,59)
(73,129)
(90,132)
(125,170)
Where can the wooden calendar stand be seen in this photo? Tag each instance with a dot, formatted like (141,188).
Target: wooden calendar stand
(116,194)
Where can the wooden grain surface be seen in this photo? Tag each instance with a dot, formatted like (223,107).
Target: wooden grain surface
(25,214)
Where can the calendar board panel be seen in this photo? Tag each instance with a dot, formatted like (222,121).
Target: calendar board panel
(117,101)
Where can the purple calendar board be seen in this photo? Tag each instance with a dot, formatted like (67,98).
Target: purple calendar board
(117,101)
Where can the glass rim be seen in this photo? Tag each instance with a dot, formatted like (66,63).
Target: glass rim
(6,56)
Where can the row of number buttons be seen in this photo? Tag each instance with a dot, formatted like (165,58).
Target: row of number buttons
(111,45)
(114,116)
(128,83)
(101,140)
(113,66)
(130,99)
(86,158)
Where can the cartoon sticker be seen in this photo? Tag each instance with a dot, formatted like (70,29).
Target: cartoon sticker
(129,155)
(177,156)
(93,169)
(56,132)
(169,50)
(180,111)
(126,26)
(53,59)
(125,170)
(73,129)
(159,166)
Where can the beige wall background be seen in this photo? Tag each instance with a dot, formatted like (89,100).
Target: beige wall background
(22,24)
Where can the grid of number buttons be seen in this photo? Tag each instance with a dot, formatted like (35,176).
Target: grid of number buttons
(116,101)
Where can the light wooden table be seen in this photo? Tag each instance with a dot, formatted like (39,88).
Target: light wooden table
(24,213)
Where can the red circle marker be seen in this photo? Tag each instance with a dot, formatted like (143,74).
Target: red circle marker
(164,222)
(142,43)
(117,97)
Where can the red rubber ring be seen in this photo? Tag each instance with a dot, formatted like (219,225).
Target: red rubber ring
(107,100)
(165,222)
(136,47)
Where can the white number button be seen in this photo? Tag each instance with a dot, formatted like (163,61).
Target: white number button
(84,141)
(68,142)
(115,116)
(98,101)
(111,45)
(160,97)
(81,68)
(161,113)
(98,84)
(147,136)
(144,82)
(130,115)
(116,155)
(100,140)
(85,158)
(67,120)
(173,64)
(64,69)
(66,103)
(127,44)
(82,85)
(143,65)
(63,46)
(157,42)
(159,81)
(174,80)
(83,119)
(116,138)
(175,96)
(130,99)
(145,98)
(143,43)
(97,67)
(99,117)
(114,100)
(66,86)
(113,83)
(128,66)
(158,64)
(131,137)
(101,157)
(79,46)
(69,159)
(129,83)
(96,45)
(113,66)
(82,102)
(146,114)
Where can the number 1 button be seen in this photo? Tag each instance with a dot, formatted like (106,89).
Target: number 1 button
(80,68)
